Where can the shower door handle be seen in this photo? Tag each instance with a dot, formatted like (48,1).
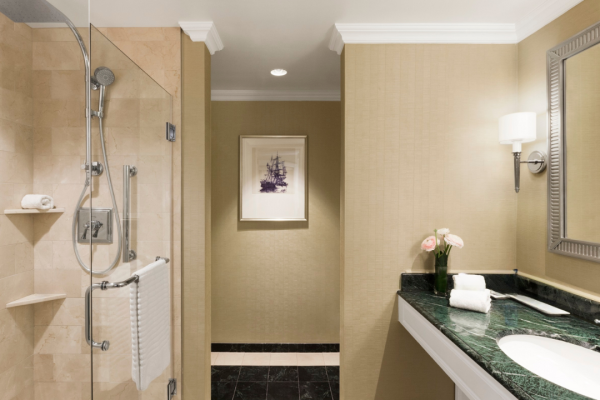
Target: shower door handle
(88,319)
(88,306)
(129,171)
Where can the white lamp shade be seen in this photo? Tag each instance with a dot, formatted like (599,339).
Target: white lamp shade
(517,128)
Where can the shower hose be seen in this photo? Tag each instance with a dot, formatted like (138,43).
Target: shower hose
(78,207)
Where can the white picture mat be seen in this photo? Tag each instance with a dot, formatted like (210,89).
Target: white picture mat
(288,205)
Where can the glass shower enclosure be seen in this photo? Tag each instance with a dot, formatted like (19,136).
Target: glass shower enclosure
(80,294)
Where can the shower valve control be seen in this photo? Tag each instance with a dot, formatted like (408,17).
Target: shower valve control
(96,225)
(97,168)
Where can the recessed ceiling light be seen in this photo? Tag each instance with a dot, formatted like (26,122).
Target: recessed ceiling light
(279,72)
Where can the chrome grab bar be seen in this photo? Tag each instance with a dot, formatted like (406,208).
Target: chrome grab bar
(128,172)
(104,285)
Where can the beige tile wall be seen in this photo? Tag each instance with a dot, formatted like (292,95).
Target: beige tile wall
(16,232)
(532,255)
(136,109)
(420,152)
(276,282)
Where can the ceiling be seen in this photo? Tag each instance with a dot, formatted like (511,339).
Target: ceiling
(260,35)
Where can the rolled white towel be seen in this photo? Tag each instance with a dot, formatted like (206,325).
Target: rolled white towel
(473,300)
(469,282)
(39,201)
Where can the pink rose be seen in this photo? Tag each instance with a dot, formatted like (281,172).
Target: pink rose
(429,244)
(454,240)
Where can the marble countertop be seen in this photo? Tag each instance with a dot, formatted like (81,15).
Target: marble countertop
(476,334)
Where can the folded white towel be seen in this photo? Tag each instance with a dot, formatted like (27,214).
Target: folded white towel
(473,300)
(150,323)
(39,201)
(469,282)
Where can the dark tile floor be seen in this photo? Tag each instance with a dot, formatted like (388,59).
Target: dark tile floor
(275,383)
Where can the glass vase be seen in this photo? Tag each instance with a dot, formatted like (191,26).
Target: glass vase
(440,286)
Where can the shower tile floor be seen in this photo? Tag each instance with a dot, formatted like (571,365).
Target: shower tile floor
(275,376)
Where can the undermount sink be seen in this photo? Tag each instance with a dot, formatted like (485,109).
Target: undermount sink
(568,365)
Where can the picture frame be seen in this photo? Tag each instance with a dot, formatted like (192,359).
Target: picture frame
(273,178)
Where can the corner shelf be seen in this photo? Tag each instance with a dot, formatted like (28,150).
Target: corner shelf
(36,298)
(33,211)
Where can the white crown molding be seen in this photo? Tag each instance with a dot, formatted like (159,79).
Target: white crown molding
(275,95)
(421,33)
(203,32)
(537,18)
(547,12)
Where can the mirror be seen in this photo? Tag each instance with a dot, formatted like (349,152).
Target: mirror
(574,139)
(582,143)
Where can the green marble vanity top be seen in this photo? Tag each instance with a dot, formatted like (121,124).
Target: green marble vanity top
(476,334)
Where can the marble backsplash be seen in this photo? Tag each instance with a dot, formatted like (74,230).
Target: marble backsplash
(514,283)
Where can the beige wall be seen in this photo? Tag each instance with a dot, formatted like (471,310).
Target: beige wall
(421,152)
(16,231)
(276,282)
(532,256)
(196,220)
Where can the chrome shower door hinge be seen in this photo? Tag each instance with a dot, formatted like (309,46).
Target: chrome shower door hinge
(171,388)
(170,132)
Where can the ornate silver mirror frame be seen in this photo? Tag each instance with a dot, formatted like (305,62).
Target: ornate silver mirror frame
(557,233)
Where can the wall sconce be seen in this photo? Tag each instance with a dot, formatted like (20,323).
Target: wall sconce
(519,128)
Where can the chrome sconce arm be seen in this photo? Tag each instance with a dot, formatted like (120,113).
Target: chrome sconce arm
(536,163)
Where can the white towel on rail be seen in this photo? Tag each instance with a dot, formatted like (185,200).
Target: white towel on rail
(39,201)
(150,308)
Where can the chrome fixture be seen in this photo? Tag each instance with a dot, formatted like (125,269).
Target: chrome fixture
(105,344)
(518,128)
(97,168)
(99,223)
(102,78)
(129,171)
(171,388)
(170,132)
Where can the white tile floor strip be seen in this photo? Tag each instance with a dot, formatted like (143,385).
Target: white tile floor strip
(256,359)
(311,359)
(284,359)
(229,359)
(331,358)
(276,359)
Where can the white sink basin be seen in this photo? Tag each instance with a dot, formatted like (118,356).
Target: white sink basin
(568,365)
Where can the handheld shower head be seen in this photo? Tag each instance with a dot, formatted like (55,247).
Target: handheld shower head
(104,76)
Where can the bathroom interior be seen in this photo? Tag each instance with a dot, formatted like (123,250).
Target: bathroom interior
(285,182)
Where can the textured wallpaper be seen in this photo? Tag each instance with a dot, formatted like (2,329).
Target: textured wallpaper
(421,152)
(276,282)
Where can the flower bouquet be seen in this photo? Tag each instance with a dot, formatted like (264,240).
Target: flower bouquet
(441,244)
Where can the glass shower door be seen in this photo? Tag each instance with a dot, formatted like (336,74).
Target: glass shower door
(138,158)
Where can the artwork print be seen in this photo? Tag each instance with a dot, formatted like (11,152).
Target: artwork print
(273,178)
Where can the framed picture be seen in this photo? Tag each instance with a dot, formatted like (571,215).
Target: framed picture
(273,178)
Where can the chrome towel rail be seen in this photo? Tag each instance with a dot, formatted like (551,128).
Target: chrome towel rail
(105,285)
